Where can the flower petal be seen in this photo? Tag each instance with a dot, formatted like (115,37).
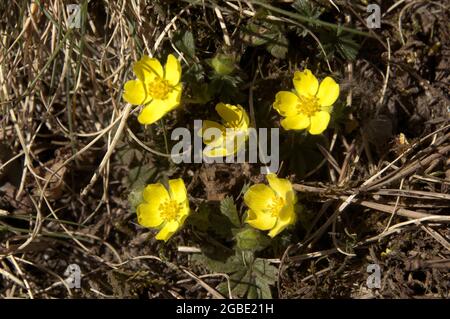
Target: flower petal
(233,113)
(258,197)
(259,220)
(209,132)
(282,188)
(168,230)
(155,194)
(134,92)
(153,112)
(146,69)
(296,122)
(172,70)
(178,190)
(328,92)
(319,122)
(183,213)
(174,97)
(216,151)
(285,218)
(148,215)
(230,144)
(305,83)
(285,103)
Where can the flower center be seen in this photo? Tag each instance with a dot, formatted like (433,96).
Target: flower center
(233,124)
(308,105)
(169,210)
(275,206)
(158,89)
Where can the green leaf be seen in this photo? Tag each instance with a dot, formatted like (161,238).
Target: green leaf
(249,277)
(200,219)
(139,176)
(232,264)
(307,8)
(228,208)
(251,239)
(185,42)
(265,271)
(341,43)
(223,64)
(135,197)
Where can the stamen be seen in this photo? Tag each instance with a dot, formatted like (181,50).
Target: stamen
(159,89)
(307,105)
(275,206)
(169,210)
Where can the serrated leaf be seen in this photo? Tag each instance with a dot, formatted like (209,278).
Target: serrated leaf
(265,271)
(140,175)
(228,208)
(251,239)
(263,289)
(231,265)
(185,42)
(307,8)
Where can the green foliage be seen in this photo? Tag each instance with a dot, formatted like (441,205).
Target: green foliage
(339,42)
(251,239)
(270,34)
(223,64)
(228,208)
(184,40)
(250,277)
(308,9)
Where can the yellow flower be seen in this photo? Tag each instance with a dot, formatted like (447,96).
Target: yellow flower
(271,208)
(164,209)
(157,88)
(311,106)
(232,133)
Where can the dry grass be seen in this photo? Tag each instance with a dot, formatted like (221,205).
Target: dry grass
(65,129)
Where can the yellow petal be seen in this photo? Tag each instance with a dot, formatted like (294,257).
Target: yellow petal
(148,215)
(146,69)
(260,220)
(285,103)
(235,141)
(328,92)
(217,151)
(184,212)
(258,197)
(155,194)
(168,230)
(285,218)
(210,137)
(282,188)
(296,122)
(172,70)
(319,122)
(153,112)
(178,190)
(173,98)
(134,92)
(233,114)
(305,83)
